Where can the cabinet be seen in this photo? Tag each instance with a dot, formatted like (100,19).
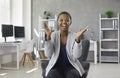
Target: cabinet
(93,47)
(109,39)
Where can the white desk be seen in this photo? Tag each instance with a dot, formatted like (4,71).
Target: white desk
(8,48)
(93,47)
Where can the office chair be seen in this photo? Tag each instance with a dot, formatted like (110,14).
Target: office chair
(82,59)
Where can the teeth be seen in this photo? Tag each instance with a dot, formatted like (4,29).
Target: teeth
(63,24)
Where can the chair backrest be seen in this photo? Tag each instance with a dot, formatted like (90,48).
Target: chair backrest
(23,45)
(29,46)
(85,50)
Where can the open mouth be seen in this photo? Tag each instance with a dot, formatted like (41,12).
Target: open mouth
(64,26)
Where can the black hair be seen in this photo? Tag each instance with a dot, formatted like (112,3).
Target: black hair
(68,14)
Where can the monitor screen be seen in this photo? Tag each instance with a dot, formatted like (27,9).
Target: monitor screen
(7,30)
(19,31)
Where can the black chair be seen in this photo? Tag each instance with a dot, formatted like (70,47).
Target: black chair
(82,59)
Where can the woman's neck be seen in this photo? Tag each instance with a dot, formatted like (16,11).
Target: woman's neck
(63,37)
(64,33)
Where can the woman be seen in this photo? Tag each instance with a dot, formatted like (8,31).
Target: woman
(63,47)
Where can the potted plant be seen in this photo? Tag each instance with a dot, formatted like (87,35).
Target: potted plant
(109,13)
(47,14)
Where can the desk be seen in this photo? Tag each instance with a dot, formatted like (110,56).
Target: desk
(93,47)
(8,48)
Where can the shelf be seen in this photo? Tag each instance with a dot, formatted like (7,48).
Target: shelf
(114,18)
(109,39)
(109,29)
(109,59)
(110,50)
(47,19)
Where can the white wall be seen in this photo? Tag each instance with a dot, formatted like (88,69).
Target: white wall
(27,18)
(4,14)
(21,15)
(17,12)
(5,11)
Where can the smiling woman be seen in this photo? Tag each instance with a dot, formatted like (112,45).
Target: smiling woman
(57,46)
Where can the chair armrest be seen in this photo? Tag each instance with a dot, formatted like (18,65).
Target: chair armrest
(44,64)
(86,66)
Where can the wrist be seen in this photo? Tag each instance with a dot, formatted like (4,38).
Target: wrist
(47,37)
(77,40)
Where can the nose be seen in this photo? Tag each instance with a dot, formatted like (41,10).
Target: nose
(64,21)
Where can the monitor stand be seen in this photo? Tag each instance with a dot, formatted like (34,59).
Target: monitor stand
(5,39)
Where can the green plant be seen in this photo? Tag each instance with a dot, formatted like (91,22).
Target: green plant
(47,14)
(109,13)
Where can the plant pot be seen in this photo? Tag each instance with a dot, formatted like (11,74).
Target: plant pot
(47,17)
(109,16)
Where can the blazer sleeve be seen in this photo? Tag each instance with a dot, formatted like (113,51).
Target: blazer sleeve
(49,46)
(77,49)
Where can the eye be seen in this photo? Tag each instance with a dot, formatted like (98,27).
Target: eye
(68,20)
(60,20)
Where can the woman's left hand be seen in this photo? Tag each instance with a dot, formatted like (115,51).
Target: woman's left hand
(79,34)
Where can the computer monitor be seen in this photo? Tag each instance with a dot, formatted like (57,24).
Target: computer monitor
(19,31)
(7,30)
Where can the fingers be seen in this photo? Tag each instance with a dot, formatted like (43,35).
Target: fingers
(80,33)
(82,30)
(50,29)
(44,25)
(86,27)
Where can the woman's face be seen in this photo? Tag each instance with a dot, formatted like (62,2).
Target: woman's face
(64,22)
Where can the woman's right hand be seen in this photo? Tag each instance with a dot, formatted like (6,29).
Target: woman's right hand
(48,31)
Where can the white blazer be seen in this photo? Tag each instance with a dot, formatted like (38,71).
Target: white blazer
(73,49)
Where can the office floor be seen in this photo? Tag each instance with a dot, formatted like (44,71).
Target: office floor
(24,72)
(104,70)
